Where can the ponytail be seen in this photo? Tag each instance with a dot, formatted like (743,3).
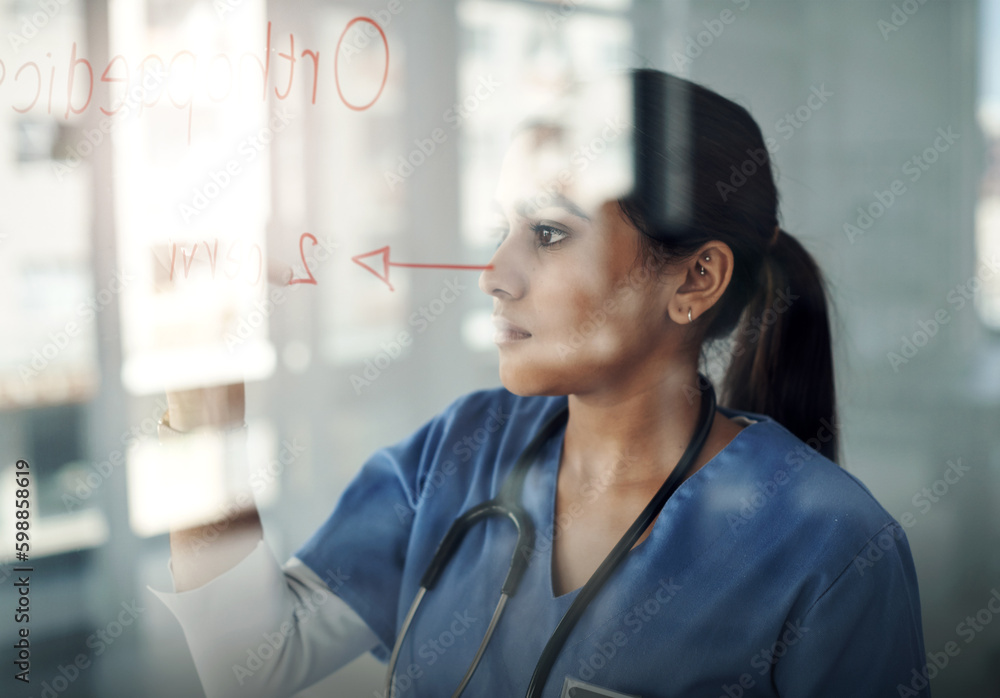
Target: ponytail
(782,363)
(776,303)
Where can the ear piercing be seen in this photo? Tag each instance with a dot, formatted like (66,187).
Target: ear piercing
(701,270)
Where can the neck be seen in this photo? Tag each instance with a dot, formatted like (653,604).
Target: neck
(630,439)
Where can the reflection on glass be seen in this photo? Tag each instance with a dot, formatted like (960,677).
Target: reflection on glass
(524,55)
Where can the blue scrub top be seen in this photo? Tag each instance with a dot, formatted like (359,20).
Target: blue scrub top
(770,572)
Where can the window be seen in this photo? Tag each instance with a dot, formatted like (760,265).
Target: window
(986,282)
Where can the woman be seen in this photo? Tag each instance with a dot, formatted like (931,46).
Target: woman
(770,571)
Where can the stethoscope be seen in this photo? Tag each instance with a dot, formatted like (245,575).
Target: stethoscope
(507,503)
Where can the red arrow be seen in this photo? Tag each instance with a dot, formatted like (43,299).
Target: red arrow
(384,276)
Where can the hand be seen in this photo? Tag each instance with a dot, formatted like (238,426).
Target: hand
(219,406)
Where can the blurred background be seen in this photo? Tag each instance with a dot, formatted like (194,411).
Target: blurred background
(148,148)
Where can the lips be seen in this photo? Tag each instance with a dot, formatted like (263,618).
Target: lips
(504,325)
(507,331)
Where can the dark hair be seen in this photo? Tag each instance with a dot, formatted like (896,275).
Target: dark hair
(703,173)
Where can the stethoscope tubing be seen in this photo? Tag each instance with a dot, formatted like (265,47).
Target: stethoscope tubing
(506,504)
(498,506)
(589,590)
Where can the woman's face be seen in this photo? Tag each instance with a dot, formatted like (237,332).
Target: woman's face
(565,273)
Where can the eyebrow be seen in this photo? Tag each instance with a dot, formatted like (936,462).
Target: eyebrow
(526,207)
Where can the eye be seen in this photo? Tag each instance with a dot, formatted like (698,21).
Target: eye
(545,234)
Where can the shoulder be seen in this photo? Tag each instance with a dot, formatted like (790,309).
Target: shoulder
(819,519)
(775,465)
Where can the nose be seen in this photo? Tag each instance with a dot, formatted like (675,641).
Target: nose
(507,278)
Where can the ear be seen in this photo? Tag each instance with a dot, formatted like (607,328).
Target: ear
(706,277)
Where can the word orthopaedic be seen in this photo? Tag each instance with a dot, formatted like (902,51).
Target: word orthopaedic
(32,86)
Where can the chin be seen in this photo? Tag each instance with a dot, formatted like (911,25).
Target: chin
(528,379)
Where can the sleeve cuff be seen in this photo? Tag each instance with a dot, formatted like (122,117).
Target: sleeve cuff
(264,631)
(254,582)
